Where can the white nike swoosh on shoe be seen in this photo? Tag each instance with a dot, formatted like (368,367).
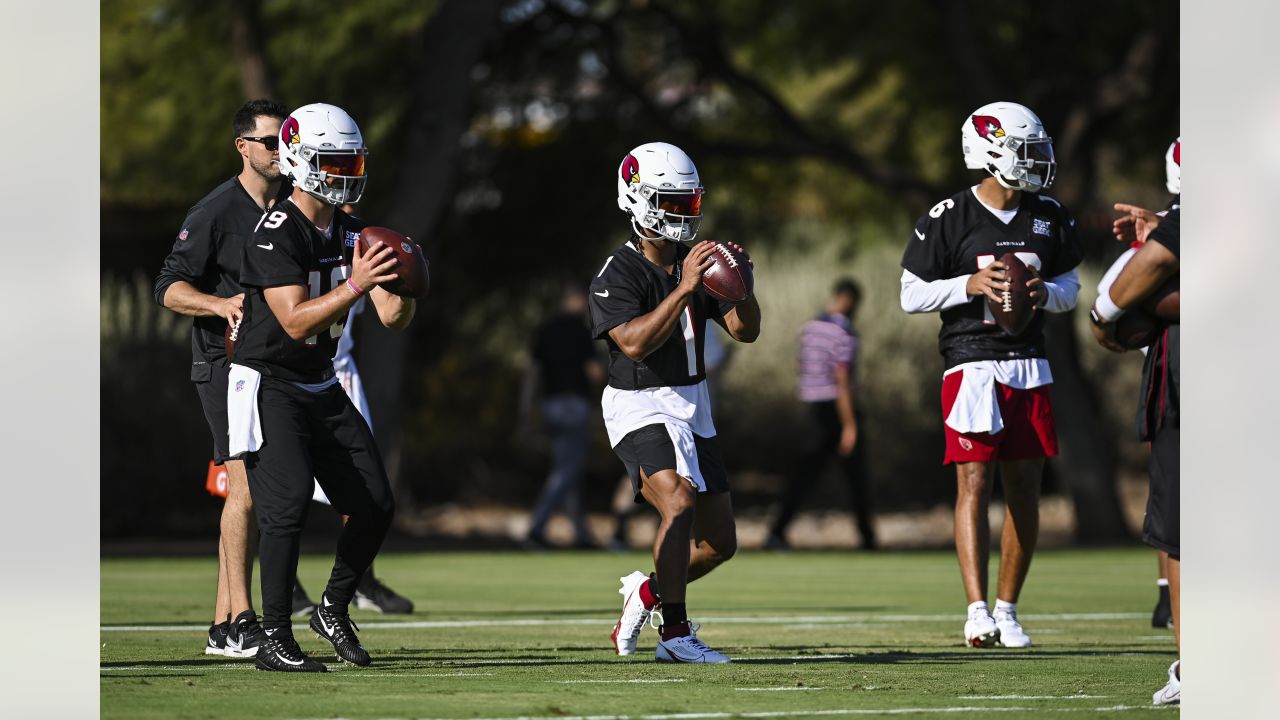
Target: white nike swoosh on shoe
(327,630)
(268,246)
(287,661)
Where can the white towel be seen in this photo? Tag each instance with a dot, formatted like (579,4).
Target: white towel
(687,465)
(243,424)
(975,409)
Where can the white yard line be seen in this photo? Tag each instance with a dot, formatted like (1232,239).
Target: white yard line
(1031,697)
(633,680)
(808,713)
(784,688)
(541,622)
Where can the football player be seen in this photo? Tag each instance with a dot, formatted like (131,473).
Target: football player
(995,386)
(1125,229)
(1159,402)
(286,410)
(201,278)
(648,305)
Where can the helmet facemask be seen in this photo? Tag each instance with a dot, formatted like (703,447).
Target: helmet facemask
(335,176)
(674,215)
(1027,165)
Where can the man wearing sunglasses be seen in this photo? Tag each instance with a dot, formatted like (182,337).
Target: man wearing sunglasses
(201,278)
(648,305)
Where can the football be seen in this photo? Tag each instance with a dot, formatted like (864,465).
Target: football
(1165,303)
(729,279)
(413,280)
(1016,308)
(1138,328)
(229,337)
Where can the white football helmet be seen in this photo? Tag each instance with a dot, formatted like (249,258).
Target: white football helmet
(659,188)
(323,153)
(1173,167)
(1008,140)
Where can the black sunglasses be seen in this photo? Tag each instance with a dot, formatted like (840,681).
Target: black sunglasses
(270,142)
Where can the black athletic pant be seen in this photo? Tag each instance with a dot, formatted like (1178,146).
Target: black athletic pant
(824,442)
(319,435)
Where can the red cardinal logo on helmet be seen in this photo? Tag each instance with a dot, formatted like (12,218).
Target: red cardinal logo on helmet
(289,132)
(988,126)
(1177,153)
(631,170)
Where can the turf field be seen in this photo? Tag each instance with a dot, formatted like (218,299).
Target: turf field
(507,635)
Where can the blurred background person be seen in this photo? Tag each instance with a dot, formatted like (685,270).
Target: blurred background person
(826,382)
(566,368)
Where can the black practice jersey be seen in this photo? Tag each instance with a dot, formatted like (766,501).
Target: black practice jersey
(959,236)
(287,249)
(207,255)
(629,286)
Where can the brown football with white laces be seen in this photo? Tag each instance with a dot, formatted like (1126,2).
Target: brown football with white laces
(730,278)
(412,279)
(1016,307)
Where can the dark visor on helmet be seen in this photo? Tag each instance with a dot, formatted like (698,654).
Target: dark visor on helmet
(1040,151)
(681,203)
(345,164)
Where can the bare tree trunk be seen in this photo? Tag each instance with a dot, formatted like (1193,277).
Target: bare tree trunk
(453,41)
(247,44)
(1088,458)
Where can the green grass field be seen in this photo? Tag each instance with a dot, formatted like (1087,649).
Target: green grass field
(507,635)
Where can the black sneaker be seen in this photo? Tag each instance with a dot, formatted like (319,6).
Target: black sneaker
(303,606)
(245,636)
(371,594)
(1162,616)
(282,653)
(338,629)
(217,644)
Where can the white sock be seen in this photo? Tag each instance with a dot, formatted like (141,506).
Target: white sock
(976,606)
(1162,582)
(1006,607)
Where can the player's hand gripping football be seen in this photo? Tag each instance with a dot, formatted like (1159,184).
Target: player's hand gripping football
(1105,334)
(230,309)
(990,281)
(1038,291)
(1136,224)
(376,266)
(696,263)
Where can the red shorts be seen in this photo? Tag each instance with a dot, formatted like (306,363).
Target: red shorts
(1028,426)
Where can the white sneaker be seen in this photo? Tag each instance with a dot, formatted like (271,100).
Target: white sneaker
(634,614)
(687,649)
(980,630)
(1011,633)
(1171,693)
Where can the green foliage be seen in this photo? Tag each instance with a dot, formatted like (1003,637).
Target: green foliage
(171,83)
(840,631)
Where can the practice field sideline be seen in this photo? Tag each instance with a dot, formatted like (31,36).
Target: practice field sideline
(515,635)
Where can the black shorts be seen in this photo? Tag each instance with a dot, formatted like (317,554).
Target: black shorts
(313,434)
(1160,526)
(211,385)
(650,449)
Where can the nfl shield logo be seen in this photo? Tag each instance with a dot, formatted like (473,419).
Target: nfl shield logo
(239,385)
(182,235)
